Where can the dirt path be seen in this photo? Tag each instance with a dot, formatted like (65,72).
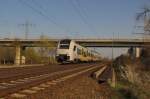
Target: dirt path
(83,87)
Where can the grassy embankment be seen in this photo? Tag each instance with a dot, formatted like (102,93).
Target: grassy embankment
(133,76)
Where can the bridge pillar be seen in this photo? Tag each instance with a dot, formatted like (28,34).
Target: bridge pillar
(137,52)
(131,52)
(23,58)
(18,55)
(134,52)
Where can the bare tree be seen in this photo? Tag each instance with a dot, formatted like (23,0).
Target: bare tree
(7,55)
(32,56)
(145,15)
(47,51)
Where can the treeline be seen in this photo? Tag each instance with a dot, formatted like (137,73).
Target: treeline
(32,55)
(7,55)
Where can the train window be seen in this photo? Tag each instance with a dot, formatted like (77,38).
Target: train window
(88,54)
(82,52)
(66,46)
(74,49)
(65,41)
(79,51)
(91,54)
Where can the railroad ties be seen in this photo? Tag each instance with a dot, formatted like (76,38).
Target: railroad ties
(21,88)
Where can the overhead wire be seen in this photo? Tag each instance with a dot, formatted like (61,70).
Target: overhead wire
(82,14)
(41,7)
(84,10)
(40,12)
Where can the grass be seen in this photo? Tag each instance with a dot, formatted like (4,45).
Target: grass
(124,91)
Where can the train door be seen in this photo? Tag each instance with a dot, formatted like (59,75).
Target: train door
(75,52)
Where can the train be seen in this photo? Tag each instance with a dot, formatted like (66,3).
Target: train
(68,51)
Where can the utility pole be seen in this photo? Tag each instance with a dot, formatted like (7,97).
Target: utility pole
(113,83)
(112,49)
(26,26)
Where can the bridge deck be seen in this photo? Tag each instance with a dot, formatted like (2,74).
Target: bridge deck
(84,42)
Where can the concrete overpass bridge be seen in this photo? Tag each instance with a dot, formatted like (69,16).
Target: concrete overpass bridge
(21,44)
(84,42)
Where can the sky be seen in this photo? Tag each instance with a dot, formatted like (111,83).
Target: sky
(69,18)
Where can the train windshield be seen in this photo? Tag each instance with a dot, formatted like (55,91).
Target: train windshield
(64,44)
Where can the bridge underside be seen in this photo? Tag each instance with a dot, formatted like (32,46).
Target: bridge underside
(98,43)
(114,43)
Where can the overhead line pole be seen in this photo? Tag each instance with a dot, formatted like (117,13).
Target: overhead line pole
(26,26)
(112,50)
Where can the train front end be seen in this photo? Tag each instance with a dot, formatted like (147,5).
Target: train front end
(63,52)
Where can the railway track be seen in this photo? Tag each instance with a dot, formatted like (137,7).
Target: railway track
(29,85)
(7,74)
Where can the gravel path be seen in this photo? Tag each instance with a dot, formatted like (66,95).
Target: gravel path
(82,87)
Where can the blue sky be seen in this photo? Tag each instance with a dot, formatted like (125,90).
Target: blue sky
(69,18)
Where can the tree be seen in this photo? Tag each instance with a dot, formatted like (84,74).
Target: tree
(145,15)
(47,51)
(7,55)
(32,57)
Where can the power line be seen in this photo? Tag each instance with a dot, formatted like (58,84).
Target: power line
(81,8)
(52,18)
(82,15)
(37,4)
(40,12)
(85,15)
(41,7)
